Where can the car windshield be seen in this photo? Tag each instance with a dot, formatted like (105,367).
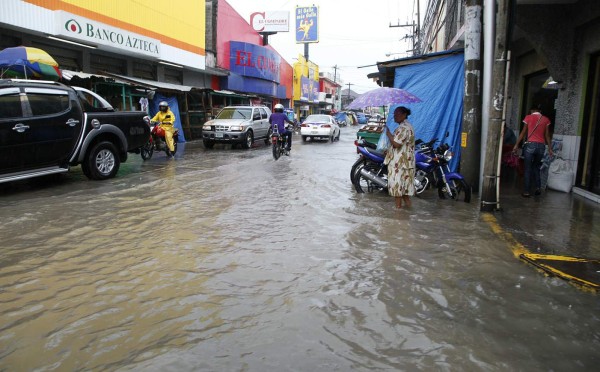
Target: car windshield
(234,113)
(317,119)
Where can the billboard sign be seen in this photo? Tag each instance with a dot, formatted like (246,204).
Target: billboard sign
(307,24)
(278,21)
(254,61)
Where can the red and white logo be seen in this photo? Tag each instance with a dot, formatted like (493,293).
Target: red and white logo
(73,26)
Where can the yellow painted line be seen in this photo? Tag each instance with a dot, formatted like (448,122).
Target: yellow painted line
(516,247)
(519,250)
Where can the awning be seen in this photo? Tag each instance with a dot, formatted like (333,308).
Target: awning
(228,93)
(152,83)
(69,75)
(216,71)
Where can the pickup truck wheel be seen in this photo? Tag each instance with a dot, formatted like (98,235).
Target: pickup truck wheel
(249,140)
(208,144)
(103,161)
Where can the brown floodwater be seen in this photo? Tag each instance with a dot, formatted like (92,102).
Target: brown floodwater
(228,260)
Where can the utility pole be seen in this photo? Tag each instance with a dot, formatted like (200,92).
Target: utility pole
(348,99)
(470,159)
(335,68)
(413,37)
(416,31)
(489,197)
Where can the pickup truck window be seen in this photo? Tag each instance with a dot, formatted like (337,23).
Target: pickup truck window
(48,104)
(92,102)
(10,103)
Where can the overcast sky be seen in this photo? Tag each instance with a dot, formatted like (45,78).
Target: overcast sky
(352,33)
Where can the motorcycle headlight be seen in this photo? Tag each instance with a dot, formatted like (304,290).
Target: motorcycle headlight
(448,155)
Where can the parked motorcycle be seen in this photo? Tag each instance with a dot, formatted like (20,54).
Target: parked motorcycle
(431,169)
(157,141)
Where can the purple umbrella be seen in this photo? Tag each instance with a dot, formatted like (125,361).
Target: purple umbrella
(383,97)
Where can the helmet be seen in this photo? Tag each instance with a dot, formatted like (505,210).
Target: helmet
(279,107)
(163,103)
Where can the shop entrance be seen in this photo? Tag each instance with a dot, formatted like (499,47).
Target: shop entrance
(588,169)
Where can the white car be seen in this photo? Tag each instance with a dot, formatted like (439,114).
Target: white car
(321,127)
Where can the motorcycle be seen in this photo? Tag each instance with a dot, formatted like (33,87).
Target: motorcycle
(157,141)
(278,142)
(431,170)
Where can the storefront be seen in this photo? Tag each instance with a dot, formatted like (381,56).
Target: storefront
(306,87)
(125,60)
(256,71)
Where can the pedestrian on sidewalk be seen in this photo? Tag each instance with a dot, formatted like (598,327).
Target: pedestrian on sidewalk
(536,128)
(400,158)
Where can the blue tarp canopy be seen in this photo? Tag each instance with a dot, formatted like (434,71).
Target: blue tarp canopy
(173,105)
(440,85)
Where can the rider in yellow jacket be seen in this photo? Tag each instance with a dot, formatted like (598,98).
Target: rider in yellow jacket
(166,118)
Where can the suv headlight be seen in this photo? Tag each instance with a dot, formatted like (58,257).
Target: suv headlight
(206,127)
(237,128)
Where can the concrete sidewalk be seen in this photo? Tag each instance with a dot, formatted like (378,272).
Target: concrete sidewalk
(552,223)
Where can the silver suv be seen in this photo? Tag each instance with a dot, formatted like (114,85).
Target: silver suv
(238,124)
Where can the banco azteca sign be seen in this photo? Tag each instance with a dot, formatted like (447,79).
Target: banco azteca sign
(96,33)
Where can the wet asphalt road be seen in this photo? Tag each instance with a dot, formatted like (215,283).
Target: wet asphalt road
(227,260)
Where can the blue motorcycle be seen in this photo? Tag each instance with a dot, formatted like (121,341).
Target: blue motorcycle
(431,169)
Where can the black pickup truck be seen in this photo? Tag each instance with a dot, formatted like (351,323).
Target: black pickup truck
(46,127)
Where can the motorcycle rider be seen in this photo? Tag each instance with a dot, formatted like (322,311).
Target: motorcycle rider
(279,118)
(166,120)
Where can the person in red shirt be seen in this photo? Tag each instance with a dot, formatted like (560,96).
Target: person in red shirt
(536,126)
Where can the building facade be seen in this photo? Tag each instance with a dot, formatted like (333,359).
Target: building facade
(555,57)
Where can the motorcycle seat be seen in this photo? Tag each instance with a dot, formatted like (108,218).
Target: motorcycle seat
(375,152)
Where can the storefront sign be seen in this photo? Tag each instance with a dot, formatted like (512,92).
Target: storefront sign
(309,90)
(270,21)
(253,60)
(307,24)
(95,33)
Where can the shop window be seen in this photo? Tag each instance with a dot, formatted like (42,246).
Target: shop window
(173,76)
(144,70)
(100,63)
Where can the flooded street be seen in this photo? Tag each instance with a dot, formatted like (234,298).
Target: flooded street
(226,260)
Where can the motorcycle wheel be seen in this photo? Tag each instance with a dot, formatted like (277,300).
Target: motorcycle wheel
(353,169)
(459,190)
(147,150)
(361,184)
(276,153)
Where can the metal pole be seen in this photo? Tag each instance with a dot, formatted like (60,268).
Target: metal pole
(471,133)
(488,195)
(489,10)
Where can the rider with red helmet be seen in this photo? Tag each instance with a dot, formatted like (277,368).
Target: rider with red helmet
(166,119)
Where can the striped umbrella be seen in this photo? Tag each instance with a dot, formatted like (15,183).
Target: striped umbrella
(28,62)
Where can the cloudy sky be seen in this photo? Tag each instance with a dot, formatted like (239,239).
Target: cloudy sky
(353,33)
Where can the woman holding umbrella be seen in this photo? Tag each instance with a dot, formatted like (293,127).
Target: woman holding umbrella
(400,158)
